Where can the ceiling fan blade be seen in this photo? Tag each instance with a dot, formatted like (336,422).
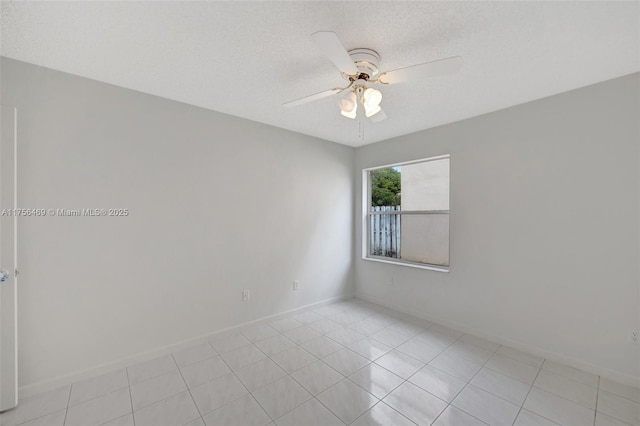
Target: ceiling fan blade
(416,72)
(312,98)
(331,46)
(378,117)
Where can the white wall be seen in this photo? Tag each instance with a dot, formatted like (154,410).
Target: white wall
(217,203)
(544,227)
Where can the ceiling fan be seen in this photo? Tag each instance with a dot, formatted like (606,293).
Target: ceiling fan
(360,68)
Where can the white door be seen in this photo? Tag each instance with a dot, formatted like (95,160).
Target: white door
(8,265)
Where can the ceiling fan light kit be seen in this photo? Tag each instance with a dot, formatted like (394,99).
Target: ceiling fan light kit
(349,105)
(361,68)
(369,98)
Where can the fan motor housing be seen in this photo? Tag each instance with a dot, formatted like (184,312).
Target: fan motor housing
(366,61)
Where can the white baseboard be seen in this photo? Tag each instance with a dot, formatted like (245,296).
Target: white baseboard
(68,379)
(614,375)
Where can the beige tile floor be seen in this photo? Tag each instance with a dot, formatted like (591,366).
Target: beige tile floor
(348,363)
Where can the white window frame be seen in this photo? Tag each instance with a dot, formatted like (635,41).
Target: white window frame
(366,199)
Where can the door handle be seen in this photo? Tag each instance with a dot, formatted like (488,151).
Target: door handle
(4,275)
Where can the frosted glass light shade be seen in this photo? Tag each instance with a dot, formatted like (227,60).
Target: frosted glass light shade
(349,106)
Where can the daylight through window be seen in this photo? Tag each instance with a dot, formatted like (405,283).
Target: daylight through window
(408,212)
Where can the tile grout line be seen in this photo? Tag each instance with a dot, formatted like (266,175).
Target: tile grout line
(314,397)
(237,378)
(243,385)
(567,399)
(570,378)
(380,400)
(449,404)
(99,396)
(510,377)
(595,408)
(442,350)
(369,409)
(425,364)
(294,379)
(215,378)
(88,400)
(531,386)
(187,386)
(347,377)
(624,421)
(527,395)
(155,377)
(67,408)
(407,379)
(133,416)
(624,397)
(43,415)
(516,359)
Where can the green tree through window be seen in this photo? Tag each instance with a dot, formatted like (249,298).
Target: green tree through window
(385,187)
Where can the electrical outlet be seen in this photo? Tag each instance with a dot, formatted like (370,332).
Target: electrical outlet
(245,295)
(296,285)
(634,336)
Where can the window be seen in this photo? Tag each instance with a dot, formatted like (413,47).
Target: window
(407,213)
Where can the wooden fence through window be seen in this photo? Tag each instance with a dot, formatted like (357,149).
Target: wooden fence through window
(385,231)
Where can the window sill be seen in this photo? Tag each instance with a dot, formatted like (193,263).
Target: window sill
(409,264)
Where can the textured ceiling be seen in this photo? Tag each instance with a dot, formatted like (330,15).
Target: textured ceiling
(247,58)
